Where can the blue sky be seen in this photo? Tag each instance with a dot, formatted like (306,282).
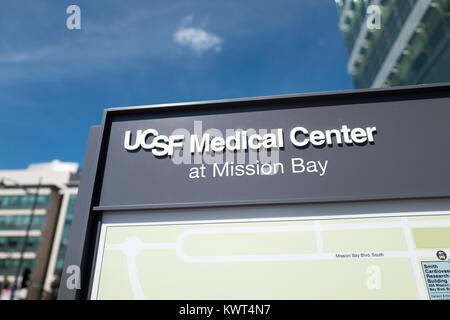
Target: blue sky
(55,82)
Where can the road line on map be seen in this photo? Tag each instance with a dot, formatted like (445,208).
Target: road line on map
(413,257)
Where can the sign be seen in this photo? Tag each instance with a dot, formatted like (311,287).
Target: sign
(273,258)
(162,145)
(331,196)
(282,152)
(437,277)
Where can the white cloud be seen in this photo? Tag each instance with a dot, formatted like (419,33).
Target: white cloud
(23,56)
(198,39)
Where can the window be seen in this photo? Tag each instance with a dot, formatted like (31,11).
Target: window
(20,222)
(9,266)
(24,202)
(65,235)
(9,245)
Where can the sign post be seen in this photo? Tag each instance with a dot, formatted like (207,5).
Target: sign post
(334,195)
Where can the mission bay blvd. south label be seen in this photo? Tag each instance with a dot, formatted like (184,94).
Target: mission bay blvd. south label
(247,140)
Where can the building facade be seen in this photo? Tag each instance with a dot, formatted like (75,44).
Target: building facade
(412,45)
(51,189)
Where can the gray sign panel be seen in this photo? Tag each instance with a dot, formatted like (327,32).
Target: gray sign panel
(409,156)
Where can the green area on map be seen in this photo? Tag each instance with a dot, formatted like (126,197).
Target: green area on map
(371,258)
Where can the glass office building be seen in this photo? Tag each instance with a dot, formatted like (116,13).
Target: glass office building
(411,45)
(42,256)
(65,235)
